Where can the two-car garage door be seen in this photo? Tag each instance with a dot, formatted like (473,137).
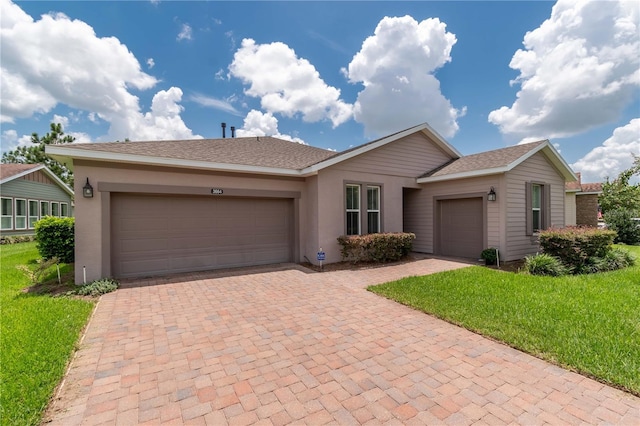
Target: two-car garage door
(155,235)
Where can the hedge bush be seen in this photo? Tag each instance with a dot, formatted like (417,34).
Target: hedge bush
(574,246)
(385,247)
(621,221)
(55,236)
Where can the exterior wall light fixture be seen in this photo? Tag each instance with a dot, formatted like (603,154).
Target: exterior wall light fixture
(491,196)
(87,190)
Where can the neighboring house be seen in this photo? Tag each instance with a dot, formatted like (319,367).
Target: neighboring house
(173,206)
(582,203)
(28,193)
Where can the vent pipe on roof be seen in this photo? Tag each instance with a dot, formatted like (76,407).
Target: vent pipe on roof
(224,126)
(233,131)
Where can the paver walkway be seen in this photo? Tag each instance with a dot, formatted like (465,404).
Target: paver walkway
(285,346)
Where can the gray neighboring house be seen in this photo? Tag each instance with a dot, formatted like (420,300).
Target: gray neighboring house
(28,193)
(161,207)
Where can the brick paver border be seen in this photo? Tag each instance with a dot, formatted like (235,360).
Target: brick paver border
(281,345)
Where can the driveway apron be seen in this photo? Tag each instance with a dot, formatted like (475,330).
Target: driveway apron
(283,345)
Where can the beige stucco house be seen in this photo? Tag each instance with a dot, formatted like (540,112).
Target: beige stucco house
(173,206)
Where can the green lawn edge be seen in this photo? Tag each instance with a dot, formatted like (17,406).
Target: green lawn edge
(38,337)
(589,324)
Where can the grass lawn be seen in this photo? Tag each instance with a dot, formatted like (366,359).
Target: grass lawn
(37,337)
(587,323)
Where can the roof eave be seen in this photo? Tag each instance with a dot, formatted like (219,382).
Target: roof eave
(22,173)
(60,153)
(462,175)
(46,171)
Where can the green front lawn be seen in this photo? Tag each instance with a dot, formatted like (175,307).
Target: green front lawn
(38,334)
(587,323)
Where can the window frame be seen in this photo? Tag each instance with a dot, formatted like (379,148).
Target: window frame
(57,205)
(16,216)
(352,210)
(4,216)
(45,204)
(30,216)
(378,189)
(544,209)
(64,213)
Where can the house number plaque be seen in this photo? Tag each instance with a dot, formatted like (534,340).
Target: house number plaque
(216,191)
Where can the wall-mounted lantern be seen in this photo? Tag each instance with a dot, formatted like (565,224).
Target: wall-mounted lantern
(87,190)
(491,196)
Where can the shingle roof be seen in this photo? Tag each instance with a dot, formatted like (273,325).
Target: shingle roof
(484,160)
(8,170)
(575,185)
(263,151)
(591,187)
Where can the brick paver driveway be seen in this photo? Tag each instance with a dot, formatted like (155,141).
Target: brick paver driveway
(281,345)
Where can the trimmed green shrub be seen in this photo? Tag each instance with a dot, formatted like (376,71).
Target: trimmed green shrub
(490,255)
(575,245)
(544,264)
(97,287)
(621,221)
(385,247)
(55,236)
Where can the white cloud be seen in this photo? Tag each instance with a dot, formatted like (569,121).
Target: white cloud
(286,84)
(220,75)
(59,60)
(185,33)
(577,70)
(61,120)
(396,67)
(163,122)
(151,63)
(219,104)
(613,156)
(257,123)
(11,141)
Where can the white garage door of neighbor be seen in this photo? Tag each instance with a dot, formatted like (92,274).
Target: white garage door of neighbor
(156,235)
(461,227)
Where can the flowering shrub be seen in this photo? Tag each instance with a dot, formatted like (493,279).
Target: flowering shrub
(385,247)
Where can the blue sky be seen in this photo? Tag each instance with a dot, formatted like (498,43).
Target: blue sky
(331,74)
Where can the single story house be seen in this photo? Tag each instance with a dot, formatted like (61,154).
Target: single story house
(582,202)
(29,192)
(173,206)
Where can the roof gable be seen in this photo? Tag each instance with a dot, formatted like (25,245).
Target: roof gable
(15,171)
(497,161)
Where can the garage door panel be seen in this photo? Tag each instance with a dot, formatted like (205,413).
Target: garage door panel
(154,235)
(461,227)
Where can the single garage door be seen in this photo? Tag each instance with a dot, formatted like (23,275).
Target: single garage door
(155,235)
(461,227)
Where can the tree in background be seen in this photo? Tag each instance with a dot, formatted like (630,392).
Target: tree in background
(620,203)
(619,194)
(34,154)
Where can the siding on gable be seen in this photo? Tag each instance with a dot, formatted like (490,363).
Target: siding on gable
(38,176)
(537,169)
(23,188)
(411,156)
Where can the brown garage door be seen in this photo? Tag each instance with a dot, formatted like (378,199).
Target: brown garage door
(155,235)
(461,227)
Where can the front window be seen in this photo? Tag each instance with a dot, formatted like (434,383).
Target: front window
(33,213)
(64,209)
(536,207)
(44,208)
(373,209)
(21,214)
(7,213)
(353,209)
(55,208)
